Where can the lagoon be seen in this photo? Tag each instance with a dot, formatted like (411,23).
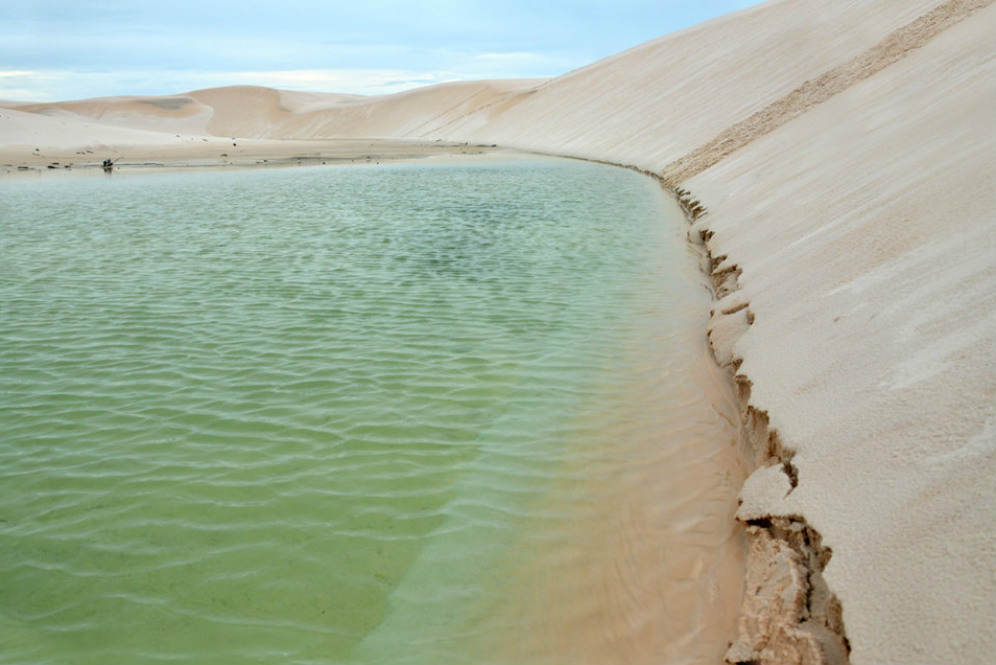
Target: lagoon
(397,413)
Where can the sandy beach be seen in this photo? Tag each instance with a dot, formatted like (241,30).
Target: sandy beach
(214,152)
(836,162)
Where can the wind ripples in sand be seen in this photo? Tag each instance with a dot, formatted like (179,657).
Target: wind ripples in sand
(285,416)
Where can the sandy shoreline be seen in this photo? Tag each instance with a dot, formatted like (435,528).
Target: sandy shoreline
(215,153)
(836,162)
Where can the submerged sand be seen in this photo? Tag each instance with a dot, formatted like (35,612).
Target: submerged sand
(837,163)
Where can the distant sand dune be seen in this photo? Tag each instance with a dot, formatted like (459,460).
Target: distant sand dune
(179,114)
(253,112)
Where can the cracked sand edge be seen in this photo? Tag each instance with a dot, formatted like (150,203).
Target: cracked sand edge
(788,614)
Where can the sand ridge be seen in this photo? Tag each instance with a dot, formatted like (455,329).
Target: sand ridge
(894,47)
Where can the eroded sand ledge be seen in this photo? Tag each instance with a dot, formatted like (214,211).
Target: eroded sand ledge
(789,614)
(845,154)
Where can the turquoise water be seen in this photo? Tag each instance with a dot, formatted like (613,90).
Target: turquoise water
(304,415)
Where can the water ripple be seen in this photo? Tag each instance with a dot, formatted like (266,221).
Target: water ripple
(278,416)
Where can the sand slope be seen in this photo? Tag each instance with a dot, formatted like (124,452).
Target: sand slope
(864,231)
(845,154)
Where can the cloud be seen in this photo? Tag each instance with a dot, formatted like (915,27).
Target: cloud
(62,85)
(354,81)
(61,49)
(28,85)
(524,63)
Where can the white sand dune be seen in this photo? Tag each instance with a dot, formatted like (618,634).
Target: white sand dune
(839,161)
(265,113)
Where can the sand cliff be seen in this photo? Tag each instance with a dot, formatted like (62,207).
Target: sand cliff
(838,161)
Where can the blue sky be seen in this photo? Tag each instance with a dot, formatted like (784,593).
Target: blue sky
(71,49)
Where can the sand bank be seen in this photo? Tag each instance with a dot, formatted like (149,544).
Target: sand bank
(837,161)
(31,142)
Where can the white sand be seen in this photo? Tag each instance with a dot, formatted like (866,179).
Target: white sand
(852,220)
(865,231)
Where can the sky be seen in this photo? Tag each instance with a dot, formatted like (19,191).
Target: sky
(72,49)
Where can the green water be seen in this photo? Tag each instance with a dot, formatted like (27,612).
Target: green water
(296,415)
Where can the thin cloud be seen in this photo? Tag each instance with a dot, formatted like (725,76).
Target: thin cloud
(351,81)
(62,85)
(61,49)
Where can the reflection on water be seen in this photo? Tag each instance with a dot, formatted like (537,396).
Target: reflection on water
(395,414)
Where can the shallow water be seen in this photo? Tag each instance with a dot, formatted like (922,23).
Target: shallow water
(446,413)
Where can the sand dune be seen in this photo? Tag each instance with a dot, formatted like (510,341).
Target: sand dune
(838,161)
(177,114)
(243,124)
(265,113)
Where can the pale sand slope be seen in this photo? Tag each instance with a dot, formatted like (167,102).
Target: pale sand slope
(866,232)
(846,153)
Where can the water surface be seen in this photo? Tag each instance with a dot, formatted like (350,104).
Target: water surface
(380,414)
